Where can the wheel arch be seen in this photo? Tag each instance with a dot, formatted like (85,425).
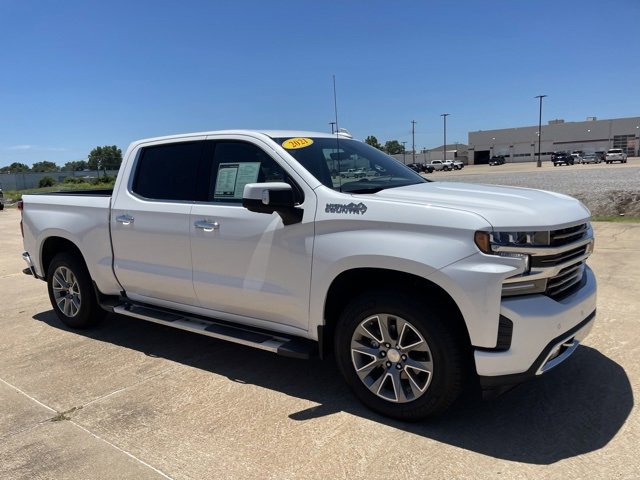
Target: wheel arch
(54,245)
(351,283)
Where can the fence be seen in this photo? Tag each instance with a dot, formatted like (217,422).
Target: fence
(22,181)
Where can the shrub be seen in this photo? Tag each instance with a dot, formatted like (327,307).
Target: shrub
(74,180)
(103,180)
(46,182)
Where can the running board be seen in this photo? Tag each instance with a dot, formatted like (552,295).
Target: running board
(286,346)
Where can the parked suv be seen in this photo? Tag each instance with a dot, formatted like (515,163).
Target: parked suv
(496,160)
(562,158)
(615,155)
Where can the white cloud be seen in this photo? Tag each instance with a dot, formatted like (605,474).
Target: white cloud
(22,147)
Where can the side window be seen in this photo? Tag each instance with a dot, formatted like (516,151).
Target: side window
(168,172)
(237,163)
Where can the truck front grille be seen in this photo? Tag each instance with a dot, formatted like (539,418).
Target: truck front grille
(557,260)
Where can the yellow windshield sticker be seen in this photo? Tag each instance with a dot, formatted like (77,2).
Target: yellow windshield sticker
(294,143)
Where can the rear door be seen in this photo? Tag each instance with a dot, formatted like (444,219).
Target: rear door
(247,263)
(150,222)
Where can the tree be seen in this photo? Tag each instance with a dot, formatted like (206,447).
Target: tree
(76,166)
(373,141)
(393,147)
(15,167)
(105,158)
(44,166)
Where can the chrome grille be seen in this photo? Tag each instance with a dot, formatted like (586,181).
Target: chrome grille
(568,277)
(567,235)
(557,262)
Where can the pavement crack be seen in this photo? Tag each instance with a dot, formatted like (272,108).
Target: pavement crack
(63,415)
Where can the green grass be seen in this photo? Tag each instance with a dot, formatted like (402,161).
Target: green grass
(15,195)
(614,218)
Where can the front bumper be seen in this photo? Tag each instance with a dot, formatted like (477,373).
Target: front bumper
(545,333)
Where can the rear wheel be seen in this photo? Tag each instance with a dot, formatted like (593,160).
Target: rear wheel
(399,357)
(71,292)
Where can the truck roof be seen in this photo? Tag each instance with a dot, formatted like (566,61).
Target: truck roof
(268,133)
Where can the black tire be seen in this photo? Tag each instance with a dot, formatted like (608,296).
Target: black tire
(445,350)
(75,303)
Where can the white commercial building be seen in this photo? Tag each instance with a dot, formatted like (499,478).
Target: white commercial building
(521,144)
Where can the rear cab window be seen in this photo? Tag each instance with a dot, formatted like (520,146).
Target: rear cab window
(168,171)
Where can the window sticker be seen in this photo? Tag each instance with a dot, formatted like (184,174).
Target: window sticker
(232,177)
(295,143)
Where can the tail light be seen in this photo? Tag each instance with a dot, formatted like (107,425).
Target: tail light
(21,208)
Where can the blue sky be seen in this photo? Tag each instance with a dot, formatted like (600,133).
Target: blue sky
(78,74)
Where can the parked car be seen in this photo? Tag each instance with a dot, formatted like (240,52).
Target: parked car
(417,289)
(590,158)
(1,200)
(497,160)
(577,157)
(562,158)
(615,155)
(601,154)
(420,167)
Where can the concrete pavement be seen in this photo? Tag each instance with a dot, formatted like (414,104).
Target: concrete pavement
(131,399)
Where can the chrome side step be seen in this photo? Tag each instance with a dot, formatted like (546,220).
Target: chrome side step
(287,346)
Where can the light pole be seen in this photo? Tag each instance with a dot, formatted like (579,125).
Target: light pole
(333,125)
(444,147)
(413,139)
(404,152)
(540,128)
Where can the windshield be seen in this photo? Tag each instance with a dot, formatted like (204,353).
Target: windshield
(348,165)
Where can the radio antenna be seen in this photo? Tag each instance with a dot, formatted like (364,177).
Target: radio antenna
(335,109)
(335,103)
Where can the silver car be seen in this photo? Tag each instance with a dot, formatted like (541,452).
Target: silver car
(590,158)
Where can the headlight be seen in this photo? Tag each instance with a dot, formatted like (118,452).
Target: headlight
(486,242)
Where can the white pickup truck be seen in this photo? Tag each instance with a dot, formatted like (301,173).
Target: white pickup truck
(417,288)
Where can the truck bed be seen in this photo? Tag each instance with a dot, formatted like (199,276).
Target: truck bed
(97,192)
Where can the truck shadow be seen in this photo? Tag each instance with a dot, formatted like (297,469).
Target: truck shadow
(573,410)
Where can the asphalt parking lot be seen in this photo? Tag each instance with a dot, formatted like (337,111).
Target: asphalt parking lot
(131,399)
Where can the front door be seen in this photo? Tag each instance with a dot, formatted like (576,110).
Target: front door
(247,263)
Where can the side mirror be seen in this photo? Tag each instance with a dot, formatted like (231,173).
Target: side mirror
(272,197)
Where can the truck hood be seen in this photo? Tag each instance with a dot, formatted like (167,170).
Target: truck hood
(500,206)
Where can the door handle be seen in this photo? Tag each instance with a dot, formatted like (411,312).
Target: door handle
(124,219)
(207,226)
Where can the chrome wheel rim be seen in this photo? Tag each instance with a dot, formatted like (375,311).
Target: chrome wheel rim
(66,291)
(391,358)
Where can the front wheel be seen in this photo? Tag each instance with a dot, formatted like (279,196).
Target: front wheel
(71,292)
(398,356)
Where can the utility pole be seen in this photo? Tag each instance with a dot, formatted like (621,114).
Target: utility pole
(332,126)
(444,147)
(540,128)
(413,139)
